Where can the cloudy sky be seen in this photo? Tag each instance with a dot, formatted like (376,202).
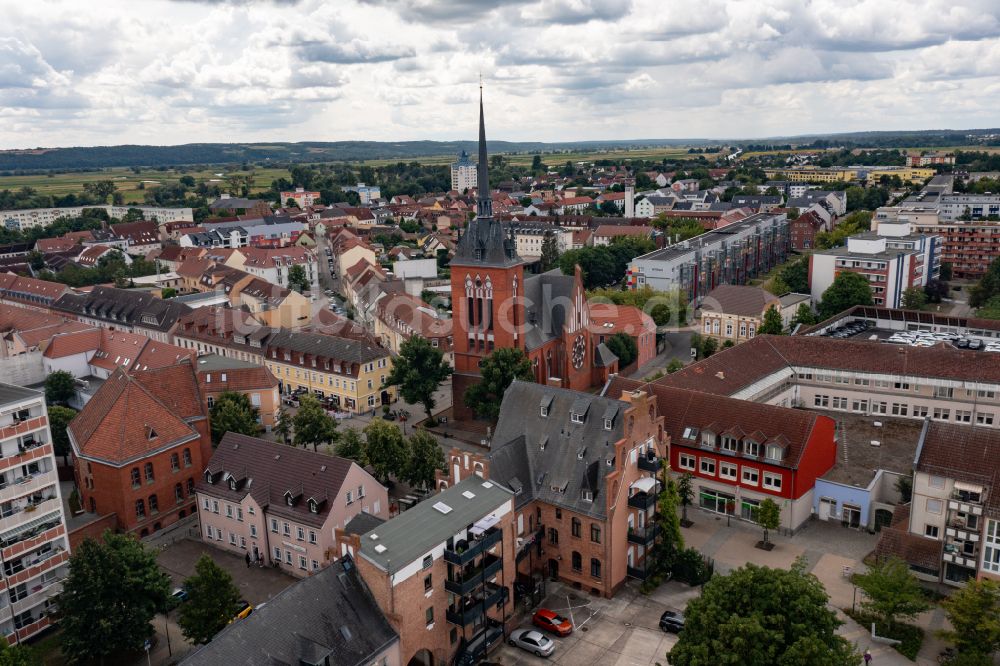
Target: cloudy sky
(100,72)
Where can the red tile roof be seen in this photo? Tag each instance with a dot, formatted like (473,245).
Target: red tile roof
(608,319)
(127,420)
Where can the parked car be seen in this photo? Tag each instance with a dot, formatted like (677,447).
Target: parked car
(244,610)
(179,595)
(552,621)
(672,621)
(533,642)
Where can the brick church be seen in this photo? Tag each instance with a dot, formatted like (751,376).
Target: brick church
(495,304)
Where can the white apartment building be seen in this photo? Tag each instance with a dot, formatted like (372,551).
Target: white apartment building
(40,217)
(463,173)
(33,535)
(529,238)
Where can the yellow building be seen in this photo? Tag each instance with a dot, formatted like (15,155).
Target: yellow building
(350,372)
(812,175)
(906,174)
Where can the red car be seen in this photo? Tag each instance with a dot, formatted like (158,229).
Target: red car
(551,621)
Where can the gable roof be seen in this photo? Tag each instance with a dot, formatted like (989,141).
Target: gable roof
(267,471)
(123,307)
(741,300)
(552,458)
(127,420)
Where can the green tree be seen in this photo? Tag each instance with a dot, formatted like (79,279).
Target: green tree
(60,387)
(213,600)
(796,276)
(904,486)
(312,424)
(988,286)
(536,164)
(848,289)
(708,346)
(100,189)
(758,616)
(772,323)
(351,445)
(113,590)
(804,315)
(386,450)
(283,424)
(768,516)
(946,271)
(674,365)
(167,293)
(297,278)
(550,251)
(426,457)
(660,314)
(17,655)
(892,592)
(990,309)
(418,371)
(623,346)
(232,412)
(974,614)
(685,491)
(59,418)
(670,541)
(498,370)
(914,298)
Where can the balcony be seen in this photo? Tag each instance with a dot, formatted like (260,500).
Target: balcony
(23,515)
(643,535)
(468,580)
(26,485)
(475,608)
(464,552)
(525,544)
(649,463)
(638,574)
(644,500)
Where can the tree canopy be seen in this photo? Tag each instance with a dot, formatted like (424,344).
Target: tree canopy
(426,457)
(232,412)
(386,450)
(212,602)
(60,387)
(351,445)
(758,616)
(987,287)
(312,425)
(59,418)
(974,614)
(848,289)
(498,370)
(796,276)
(113,590)
(624,347)
(772,323)
(892,592)
(418,371)
(297,278)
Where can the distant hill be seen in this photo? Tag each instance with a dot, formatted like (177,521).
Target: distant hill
(98,157)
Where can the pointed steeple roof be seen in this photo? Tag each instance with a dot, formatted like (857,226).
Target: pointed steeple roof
(487,242)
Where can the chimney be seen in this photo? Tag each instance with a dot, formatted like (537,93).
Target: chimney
(554,382)
(720,375)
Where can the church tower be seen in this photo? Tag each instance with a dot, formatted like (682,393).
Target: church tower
(487,287)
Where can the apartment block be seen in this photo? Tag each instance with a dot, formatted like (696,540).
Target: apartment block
(34,546)
(463,173)
(892,259)
(442,572)
(729,255)
(281,504)
(41,217)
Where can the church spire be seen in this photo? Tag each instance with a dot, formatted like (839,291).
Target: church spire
(484,202)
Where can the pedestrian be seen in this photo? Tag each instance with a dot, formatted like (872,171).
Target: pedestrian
(248,560)
(868,657)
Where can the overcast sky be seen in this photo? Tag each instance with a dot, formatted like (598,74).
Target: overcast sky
(102,72)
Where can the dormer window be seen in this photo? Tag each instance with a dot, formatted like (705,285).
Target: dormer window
(313,508)
(607,424)
(774,452)
(208,477)
(544,411)
(289,500)
(751,448)
(730,444)
(708,440)
(576,418)
(587,496)
(232,484)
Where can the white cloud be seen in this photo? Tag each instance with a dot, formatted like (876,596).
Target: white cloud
(557,70)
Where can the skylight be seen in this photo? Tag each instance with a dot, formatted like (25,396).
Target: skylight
(380,549)
(468,495)
(443,508)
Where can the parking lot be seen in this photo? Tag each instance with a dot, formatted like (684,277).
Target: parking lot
(865,331)
(623,630)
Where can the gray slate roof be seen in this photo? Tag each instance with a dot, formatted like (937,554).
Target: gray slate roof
(544,314)
(414,533)
(9,394)
(574,457)
(330,617)
(326,346)
(123,307)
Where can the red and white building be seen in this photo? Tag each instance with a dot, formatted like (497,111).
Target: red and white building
(302,197)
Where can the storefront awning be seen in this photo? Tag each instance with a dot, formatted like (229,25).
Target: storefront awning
(968,487)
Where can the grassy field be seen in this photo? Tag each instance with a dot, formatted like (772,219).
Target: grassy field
(127,181)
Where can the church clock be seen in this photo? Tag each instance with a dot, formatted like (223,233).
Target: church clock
(579,351)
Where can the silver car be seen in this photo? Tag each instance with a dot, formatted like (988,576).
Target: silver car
(533,641)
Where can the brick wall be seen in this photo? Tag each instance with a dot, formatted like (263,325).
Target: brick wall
(92,530)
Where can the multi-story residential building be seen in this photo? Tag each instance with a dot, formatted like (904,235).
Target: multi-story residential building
(810,174)
(892,259)
(968,245)
(735,312)
(463,173)
(728,255)
(349,372)
(573,461)
(399,316)
(273,264)
(529,238)
(930,158)
(228,332)
(219,374)
(301,197)
(41,217)
(253,499)
(366,193)
(34,545)
(442,571)
(123,310)
(949,531)
(26,292)
(139,445)
(605,234)
(969,206)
